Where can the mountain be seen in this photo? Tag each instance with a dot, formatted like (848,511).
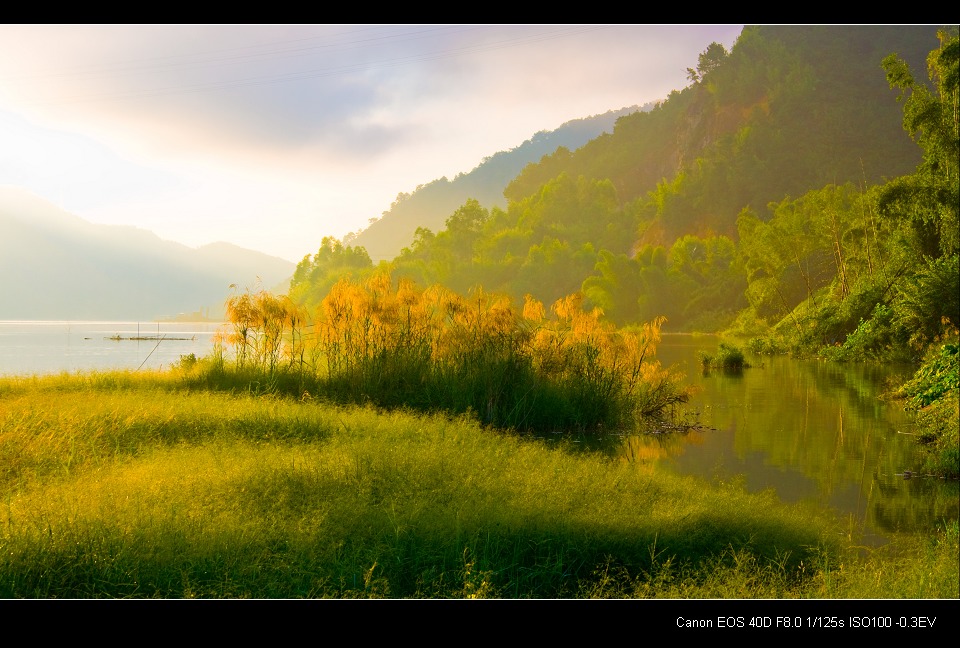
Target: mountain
(789,109)
(431,204)
(55,265)
(645,220)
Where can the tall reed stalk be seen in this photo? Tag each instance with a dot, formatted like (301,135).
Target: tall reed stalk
(394,345)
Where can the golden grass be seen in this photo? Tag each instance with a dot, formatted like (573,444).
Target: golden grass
(147,490)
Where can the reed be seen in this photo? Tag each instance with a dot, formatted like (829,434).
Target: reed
(395,345)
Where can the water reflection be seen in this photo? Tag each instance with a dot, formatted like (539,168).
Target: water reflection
(813,431)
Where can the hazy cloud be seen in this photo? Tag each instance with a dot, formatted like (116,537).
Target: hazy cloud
(395,104)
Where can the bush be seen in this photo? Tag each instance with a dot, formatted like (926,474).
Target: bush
(727,357)
(929,302)
(933,392)
(766,346)
(938,425)
(878,337)
(938,375)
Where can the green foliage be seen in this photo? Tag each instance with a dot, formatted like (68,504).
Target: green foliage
(877,337)
(886,301)
(708,61)
(615,286)
(826,237)
(430,204)
(938,426)
(187,362)
(698,283)
(728,356)
(543,245)
(874,274)
(928,302)
(939,375)
(710,281)
(316,274)
(758,124)
(926,566)
(787,110)
(934,391)
(766,346)
(929,199)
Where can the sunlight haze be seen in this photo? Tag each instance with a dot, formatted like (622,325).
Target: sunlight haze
(274,136)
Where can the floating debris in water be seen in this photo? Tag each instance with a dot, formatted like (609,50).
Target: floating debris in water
(150,338)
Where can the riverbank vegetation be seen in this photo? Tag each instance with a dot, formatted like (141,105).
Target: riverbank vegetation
(764,202)
(933,394)
(892,291)
(392,344)
(144,485)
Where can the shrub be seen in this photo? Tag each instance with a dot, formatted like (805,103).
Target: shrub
(928,302)
(727,357)
(878,337)
(933,391)
(937,376)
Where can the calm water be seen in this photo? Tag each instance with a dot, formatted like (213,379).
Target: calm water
(812,431)
(28,348)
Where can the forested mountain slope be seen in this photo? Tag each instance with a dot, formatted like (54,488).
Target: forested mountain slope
(430,205)
(789,109)
(646,220)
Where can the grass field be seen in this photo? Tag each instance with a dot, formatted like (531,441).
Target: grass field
(138,485)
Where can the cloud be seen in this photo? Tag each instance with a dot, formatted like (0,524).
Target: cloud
(290,87)
(320,124)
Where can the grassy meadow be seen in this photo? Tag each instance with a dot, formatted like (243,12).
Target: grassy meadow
(129,484)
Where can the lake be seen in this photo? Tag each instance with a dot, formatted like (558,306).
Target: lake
(45,347)
(812,431)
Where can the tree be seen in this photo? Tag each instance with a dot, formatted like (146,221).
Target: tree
(316,274)
(928,200)
(617,287)
(710,59)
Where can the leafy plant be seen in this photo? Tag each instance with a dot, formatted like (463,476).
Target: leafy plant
(939,375)
(934,391)
(728,356)
(878,337)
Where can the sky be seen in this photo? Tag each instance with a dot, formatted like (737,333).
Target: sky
(271,137)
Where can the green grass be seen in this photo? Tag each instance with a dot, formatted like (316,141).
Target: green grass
(131,485)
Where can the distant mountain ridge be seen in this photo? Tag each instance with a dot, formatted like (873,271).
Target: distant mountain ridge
(430,205)
(55,265)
